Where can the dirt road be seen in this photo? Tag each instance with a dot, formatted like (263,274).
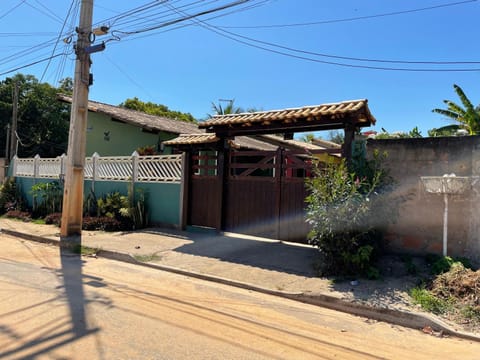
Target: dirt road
(54,305)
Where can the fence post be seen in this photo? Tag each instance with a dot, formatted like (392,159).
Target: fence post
(14,165)
(36,166)
(95,157)
(61,176)
(135,160)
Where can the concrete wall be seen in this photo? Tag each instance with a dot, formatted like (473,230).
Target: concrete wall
(419,226)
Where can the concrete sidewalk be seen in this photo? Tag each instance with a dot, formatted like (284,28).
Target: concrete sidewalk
(269,266)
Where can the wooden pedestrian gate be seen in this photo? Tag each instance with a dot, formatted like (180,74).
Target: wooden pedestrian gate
(260,193)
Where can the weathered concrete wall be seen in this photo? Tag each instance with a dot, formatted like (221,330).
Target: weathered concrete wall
(419,226)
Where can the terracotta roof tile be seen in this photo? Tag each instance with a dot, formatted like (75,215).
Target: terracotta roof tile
(356,108)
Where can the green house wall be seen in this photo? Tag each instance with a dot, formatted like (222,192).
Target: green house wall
(110,137)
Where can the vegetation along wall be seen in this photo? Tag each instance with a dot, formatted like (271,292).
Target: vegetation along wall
(162,199)
(419,227)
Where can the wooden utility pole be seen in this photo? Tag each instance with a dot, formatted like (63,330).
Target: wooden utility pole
(72,211)
(13,129)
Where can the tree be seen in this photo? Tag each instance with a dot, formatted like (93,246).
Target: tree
(43,121)
(157,110)
(467,115)
(218,109)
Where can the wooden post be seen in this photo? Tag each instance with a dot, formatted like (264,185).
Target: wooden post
(278,189)
(185,182)
(347,145)
(220,172)
(74,175)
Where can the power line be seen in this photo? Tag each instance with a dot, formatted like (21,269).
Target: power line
(58,38)
(31,64)
(11,9)
(48,14)
(238,38)
(333,21)
(186,17)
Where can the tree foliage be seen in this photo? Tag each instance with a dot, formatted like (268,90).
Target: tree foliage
(229,108)
(466,115)
(347,210)
(157,110)
(43,121)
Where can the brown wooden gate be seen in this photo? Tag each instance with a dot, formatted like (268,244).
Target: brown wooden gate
(265,192)
(205,197)
(261,193)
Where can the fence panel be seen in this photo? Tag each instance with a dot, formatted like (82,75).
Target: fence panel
(159,168)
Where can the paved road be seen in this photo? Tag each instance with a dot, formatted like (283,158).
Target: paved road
(54,305)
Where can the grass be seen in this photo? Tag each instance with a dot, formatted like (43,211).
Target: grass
(147,257)
(428,301)
(39,221)
(84,250)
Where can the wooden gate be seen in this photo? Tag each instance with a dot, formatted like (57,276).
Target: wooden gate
(205,197)
(259,193)
(265,194)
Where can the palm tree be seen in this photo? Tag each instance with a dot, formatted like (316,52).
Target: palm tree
(230,108)
(468,116)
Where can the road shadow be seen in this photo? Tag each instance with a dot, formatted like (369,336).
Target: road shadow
(60,330)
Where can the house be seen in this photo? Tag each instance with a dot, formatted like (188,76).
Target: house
(116,131)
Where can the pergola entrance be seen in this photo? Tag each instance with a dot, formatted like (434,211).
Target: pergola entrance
(260,192)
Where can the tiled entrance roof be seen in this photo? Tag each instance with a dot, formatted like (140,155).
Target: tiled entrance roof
(327,116)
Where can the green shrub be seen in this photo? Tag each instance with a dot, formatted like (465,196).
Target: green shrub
(47,198)
(130,210)
(10,196)
(346,211)
(442,264)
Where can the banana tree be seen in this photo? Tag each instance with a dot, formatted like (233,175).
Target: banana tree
(466,115)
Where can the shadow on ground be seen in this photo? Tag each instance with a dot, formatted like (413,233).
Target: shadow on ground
(261,253)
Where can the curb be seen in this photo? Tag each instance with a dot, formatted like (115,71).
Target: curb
(396,317)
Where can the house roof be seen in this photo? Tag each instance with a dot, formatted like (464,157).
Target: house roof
(244,142)
(307,118)
(292,143)
(137,118)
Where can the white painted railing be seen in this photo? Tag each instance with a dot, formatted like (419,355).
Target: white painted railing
(157,168)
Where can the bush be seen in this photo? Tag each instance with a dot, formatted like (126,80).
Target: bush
(54,219)
(10,198)
(346,210)
(17,214)
(47,198)
(104,223)
(129,210)
(442,264)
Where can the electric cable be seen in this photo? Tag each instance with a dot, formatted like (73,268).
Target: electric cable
(58,38)
(235,37)
(333,21)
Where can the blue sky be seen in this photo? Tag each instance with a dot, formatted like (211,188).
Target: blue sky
(190,67)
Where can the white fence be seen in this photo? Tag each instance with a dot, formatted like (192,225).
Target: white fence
(157,168)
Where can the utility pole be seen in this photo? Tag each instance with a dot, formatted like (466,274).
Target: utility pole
(13,129)
(72,211)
